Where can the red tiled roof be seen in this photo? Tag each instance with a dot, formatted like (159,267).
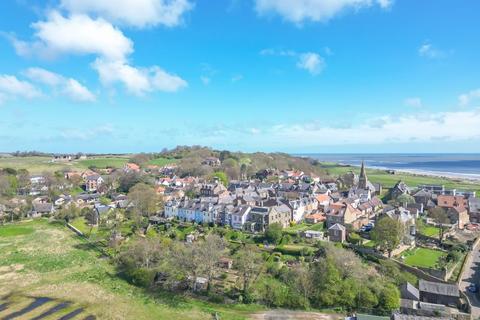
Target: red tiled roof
(445,201)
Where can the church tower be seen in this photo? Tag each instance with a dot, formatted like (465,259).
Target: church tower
(363,180)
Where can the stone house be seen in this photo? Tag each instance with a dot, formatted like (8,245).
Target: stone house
(337,233)
(439,293)
(474,209)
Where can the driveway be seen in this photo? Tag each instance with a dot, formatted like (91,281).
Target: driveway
(471,274)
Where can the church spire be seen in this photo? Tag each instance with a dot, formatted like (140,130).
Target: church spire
(363,180)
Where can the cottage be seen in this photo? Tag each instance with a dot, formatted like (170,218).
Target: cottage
(93,182)
(423,196)
(41,209)
(225,263)
(337,233)
(474,209)
(62,158)
(262,217)
(240,216)
(399,189)
(449,201)
(131,167)
(436,189)
(311,234)
(345,214)
(212,162)
(458,216)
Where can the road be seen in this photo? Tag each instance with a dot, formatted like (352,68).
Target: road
(471,274)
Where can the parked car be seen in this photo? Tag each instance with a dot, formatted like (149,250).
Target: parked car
(473,288)
(366,228)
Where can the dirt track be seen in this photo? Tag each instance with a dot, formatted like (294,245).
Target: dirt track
(294,315)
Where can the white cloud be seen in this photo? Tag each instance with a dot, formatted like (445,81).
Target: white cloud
(76,91)
(77,34)
(385,3)
(11,88)
(297,11)
(81,34)
(137,13)
(413,102)
(312,62)
(137,81)
(443,126)
(465,99)
(65,86)
(44,76)
(427,50)
(164,81)
(309,61)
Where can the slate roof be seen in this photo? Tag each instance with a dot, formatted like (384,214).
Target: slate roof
(337,226)
(439,288)
(409,289)
(42,207)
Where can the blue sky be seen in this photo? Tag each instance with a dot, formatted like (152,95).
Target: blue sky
(252,75)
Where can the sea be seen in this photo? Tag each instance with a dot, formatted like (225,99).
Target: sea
(454,165)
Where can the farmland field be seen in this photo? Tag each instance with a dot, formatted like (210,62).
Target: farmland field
(38,165)
(50,268)
(34,165)
(102,163)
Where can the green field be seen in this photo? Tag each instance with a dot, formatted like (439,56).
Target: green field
(161,162)
(49,261)
(102,163)
(38,165)
(423,257)
(389,180)
(11,231)
(34,165)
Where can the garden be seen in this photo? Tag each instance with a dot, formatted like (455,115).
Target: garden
(424,257)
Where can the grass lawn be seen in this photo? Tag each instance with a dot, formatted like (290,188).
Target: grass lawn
(369,244)
(427,229)
(430,231)
(295,250)
(50,261)
(423,257)
(14,230)
(293,230)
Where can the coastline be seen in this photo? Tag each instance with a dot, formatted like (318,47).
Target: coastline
(438,174)
(418,172)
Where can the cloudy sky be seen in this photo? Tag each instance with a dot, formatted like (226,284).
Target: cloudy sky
(252,75)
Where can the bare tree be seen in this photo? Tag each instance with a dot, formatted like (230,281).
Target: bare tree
(144,199)
(441,219)
(249,262)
